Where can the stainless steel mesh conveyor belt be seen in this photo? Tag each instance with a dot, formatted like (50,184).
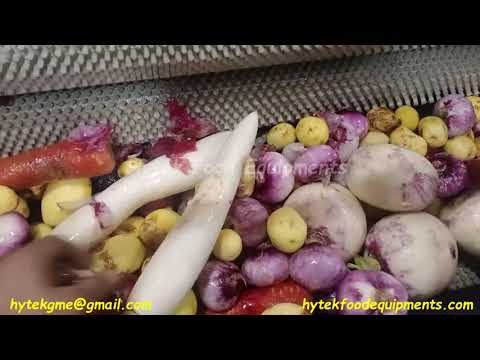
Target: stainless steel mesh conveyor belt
(56,88)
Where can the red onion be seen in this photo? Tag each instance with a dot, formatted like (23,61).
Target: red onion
(318,268)
(316,163)
(452,173)
(274,178)
(293,151)
(267,266)
(249,219)
(92,137)
(219,285)
(14,232)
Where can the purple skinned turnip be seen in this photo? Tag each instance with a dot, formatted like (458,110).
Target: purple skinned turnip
(417,249)
(333,215)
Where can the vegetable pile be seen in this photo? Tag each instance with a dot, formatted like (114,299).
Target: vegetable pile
(339,205)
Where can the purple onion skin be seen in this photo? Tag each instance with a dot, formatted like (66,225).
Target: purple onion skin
(360,285)
(14,232)
(267,266)
(315,164)
(293,151)
(249,219)
(94,137)
(274,178)
(219,285)
(358,120)
(317,267)
(457,112)
(452,174)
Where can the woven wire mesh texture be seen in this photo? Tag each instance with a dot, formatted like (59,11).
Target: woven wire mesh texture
(286,93)
(34,68)
(278,93)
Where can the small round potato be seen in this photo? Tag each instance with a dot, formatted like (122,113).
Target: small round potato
(281,135)
(406,138)
(22,208)
(39,231)
(382,119)
(121,253)
(156,226)
(407,116)
(285,309)
(188,305)
(8,199)
(286,229)
(461,147)
(129,166)
(434,130)
(375,137)
(312,131)
(63,191)
(228,246)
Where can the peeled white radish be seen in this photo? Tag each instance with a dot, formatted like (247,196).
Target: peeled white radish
(177,263)
(157,179)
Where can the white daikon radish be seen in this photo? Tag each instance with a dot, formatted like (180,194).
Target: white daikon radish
(177,263)
(156,180)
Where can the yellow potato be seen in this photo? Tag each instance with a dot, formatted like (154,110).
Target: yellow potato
(8,199)
(285,309)
(131,225)
(281,135)
(188,305)
(63,191)
(408,117)
(39,231)
(247,181)
(22,208)
(477,145)
(406,138)
(382,119)
(434,130)
(375,137)
(286,229)
(129,166)
(156,226)
(461,147)
(475,101)
(228,246)
(312,131)
(121,253)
